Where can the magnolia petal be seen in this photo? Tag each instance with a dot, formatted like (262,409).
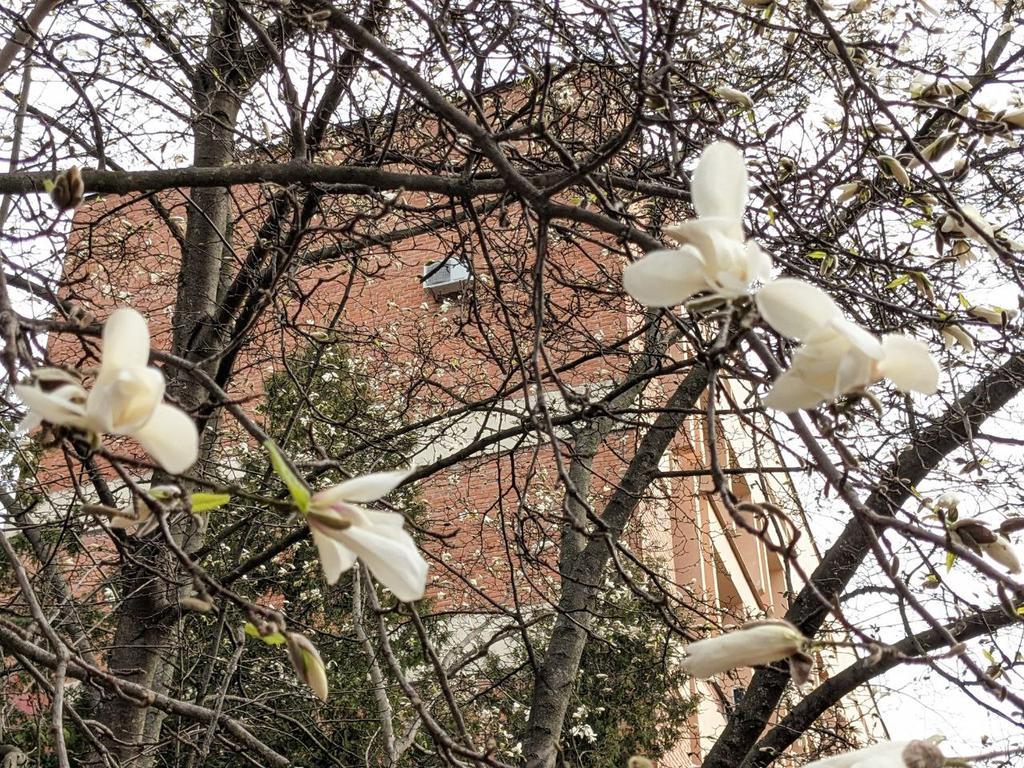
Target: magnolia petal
(976,225)
(335,557)
(125,400)
(735,96)
(1003,552)
(795,308)
(376,518)
(860,339)
(64,406)
(1014,117)
(855,371)
(759,264)
(791,393)
(362,489)
(746,647)
(392,557)
(665,278)
(894,168)
(704,233)
(170,437)
(28,424)
(719,183)
(125,341)
(954,334)
(909,365)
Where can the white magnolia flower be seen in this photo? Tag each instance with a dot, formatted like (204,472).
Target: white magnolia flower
(343,531)
(751,645)
(836,356)
(714,256)
(848,191)
(954,334)
(1014,118)
(734,96)
(126,398)
(963,253)
(992,314)
(971,225)
(977,536)
(54,396)
(887,754)
(1003,552)
(924,87)
(894,168)
(938,148)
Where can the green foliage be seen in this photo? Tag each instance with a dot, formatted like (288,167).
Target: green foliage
(629,697)
(320,406)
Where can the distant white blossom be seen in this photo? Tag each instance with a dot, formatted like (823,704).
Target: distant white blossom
(584,731)
(734,96)
(977,536)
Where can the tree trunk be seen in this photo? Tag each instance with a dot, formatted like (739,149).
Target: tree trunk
(558,673)
(145,642)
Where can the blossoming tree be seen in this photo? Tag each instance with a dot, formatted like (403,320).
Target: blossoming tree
(573,281)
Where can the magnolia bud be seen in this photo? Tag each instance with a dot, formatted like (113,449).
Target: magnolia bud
(307,663)
(923,754)
(800,667)
(68,189)
(894,168)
